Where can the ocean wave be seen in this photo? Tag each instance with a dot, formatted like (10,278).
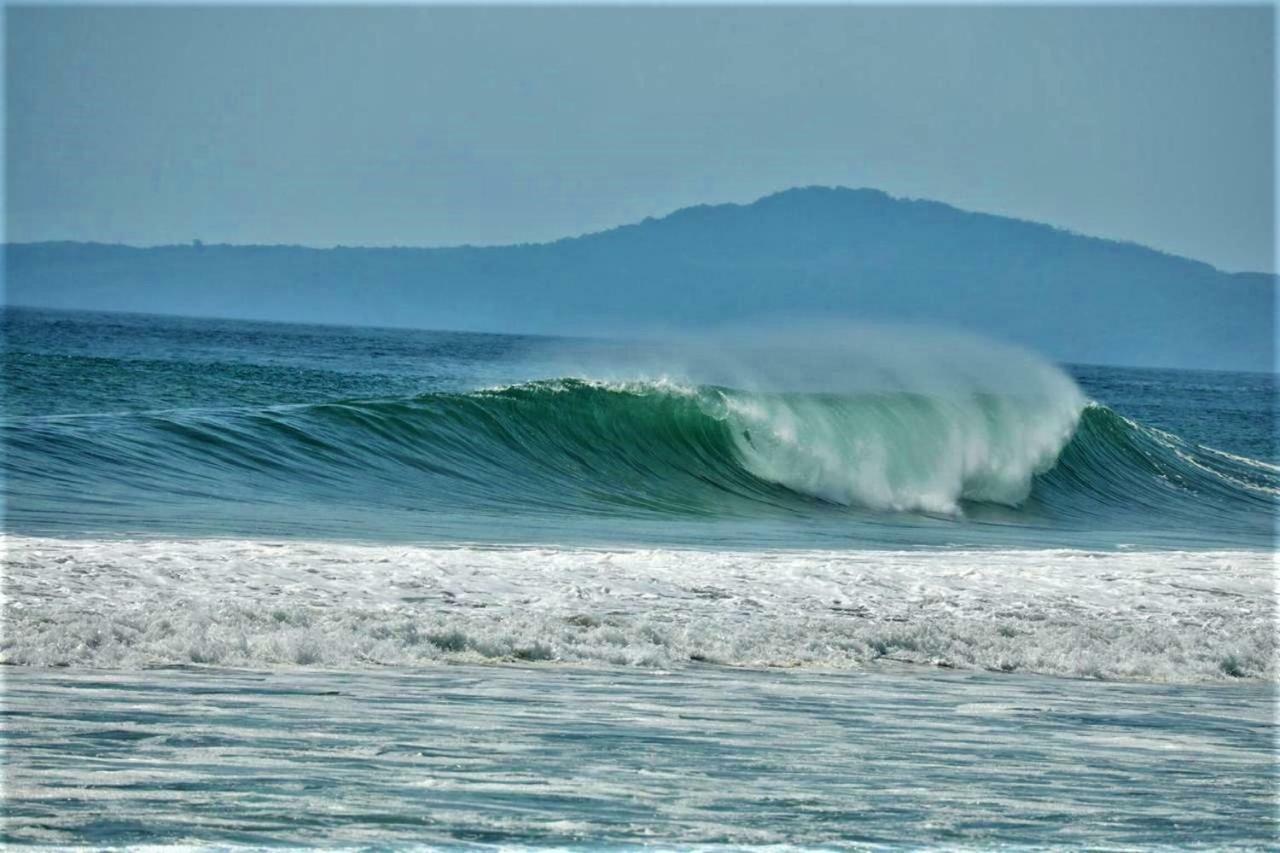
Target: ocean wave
(584,448)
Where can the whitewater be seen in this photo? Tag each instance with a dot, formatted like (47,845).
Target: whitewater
(1169,617)
(523,589)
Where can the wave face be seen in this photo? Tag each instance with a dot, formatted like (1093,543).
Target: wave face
(796,437)
(653,449)
(691,447)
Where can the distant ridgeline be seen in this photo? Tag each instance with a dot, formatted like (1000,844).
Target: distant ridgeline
(826,253)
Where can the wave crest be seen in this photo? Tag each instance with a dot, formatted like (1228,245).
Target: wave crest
(903,451)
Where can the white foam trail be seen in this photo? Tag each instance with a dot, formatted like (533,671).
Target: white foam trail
(1162,616)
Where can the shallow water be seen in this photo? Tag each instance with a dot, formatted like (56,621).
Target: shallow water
(490,754)
(1178,616)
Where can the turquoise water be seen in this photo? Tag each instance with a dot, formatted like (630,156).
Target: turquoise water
(288,585)
(492,755)
(119,424)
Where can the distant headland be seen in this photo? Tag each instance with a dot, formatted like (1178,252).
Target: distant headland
(812,252)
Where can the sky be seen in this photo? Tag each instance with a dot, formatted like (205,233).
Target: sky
(440,126)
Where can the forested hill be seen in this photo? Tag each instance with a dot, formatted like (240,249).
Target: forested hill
(802,253)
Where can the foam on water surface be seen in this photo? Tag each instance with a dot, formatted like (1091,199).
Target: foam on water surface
(608,756)
(1139,615)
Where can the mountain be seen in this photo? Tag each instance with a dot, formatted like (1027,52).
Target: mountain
(813,252)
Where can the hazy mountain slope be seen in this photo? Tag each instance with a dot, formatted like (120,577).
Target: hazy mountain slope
(808,252)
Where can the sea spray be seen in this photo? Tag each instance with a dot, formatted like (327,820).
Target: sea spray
(886,417)
(903,451)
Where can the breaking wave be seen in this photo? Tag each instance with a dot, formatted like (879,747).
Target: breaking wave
(659,447)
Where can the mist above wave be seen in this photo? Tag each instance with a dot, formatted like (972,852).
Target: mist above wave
(878,416)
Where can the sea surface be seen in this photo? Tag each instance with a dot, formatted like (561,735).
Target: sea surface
(284,584)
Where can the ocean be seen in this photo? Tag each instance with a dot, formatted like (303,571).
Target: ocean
(281,584)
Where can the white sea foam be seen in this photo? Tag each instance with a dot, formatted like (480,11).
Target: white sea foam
(1132,615)
(1163,616)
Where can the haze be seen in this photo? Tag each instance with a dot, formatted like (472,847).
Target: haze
(439,126)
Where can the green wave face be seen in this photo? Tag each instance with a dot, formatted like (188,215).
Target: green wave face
(570,449)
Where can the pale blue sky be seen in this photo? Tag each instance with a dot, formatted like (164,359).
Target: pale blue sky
(437,126)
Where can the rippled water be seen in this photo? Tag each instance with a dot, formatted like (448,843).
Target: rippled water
(465,754)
